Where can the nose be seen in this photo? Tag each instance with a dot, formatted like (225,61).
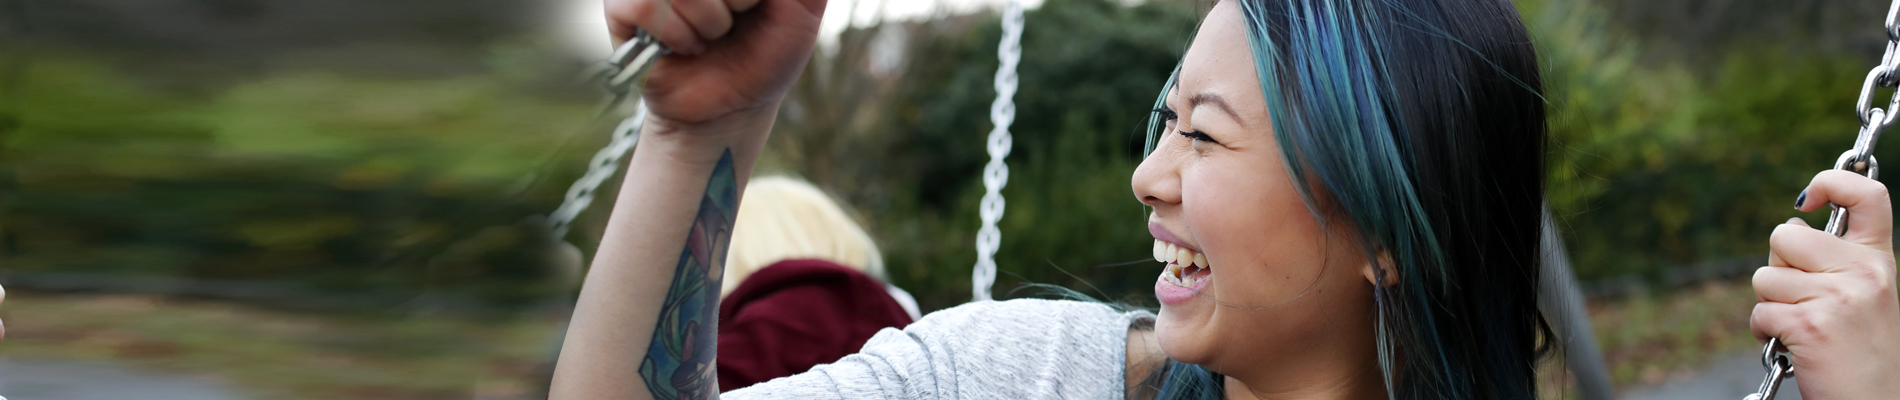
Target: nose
(1157,181)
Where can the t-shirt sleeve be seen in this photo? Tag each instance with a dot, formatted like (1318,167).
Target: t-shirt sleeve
(1014,350)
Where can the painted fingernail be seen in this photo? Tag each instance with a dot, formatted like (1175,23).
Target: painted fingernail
(1800,199)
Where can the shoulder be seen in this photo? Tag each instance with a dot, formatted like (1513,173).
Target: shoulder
(1030,349)
(1027,313)
(1017,349)
(1077,323)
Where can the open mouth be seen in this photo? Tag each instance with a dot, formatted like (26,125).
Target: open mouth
(1186,268)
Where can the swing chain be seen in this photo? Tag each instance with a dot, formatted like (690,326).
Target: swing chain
(618,73)
(1009,53)
(629,62)
(1860,160)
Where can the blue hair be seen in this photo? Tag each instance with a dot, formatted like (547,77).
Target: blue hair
(1422,122)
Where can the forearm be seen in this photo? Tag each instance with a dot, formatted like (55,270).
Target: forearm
(647,316)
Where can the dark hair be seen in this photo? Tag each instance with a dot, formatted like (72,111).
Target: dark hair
(1423,123)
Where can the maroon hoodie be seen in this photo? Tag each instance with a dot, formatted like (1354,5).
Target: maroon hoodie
(796,314)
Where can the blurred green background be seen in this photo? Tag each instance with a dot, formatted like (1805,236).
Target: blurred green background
(375,164)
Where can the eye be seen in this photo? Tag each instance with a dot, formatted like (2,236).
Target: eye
(1198,136)
(1169,115)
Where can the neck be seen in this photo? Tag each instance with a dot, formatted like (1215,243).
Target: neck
(1339,365)
(1361,384)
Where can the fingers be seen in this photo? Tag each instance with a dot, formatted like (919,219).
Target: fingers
(1775,259)
(623,17)
(1870,212)
(1782,320)
(741,5)
(1787,285)
(709,18)
(1808,249)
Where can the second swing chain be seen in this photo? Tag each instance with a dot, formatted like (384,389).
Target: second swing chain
(1859,160)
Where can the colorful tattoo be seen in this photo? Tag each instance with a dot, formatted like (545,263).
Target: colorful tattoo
(679,362)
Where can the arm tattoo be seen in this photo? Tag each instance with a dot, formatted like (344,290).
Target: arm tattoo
(679,362)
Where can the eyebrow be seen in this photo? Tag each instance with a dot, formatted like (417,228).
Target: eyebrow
(1215,99)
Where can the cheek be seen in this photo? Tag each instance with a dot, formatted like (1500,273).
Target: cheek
(1263,242)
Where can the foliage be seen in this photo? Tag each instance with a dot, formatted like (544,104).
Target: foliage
(1089,70)
(1672,162)
(415,185)
(347,183)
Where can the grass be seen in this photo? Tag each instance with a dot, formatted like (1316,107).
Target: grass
(1650,339)
(271,353)
(1646,339)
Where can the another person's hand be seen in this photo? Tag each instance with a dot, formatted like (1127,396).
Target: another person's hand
(731,58)
(1832,300)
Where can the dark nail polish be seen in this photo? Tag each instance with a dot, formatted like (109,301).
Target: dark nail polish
(1801,199)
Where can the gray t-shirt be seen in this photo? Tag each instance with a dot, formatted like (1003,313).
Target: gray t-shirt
(1011,350)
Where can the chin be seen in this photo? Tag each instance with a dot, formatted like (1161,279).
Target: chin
(1184,336)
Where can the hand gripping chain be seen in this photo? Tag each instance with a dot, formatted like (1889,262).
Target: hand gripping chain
(1859,160)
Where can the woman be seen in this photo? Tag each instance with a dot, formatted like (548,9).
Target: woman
(803,286)
(1345,195)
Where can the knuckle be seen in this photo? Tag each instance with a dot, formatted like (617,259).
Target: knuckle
(1781,235)
(1815,328)
(1845,296)
(1875,287)
(1864,271)
(1810,326)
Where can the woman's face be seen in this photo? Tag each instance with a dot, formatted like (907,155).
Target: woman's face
(1274,282)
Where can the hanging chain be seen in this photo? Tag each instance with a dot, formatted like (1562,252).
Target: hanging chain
(619,73)
(1859,160)
(631,60)
(1009,52)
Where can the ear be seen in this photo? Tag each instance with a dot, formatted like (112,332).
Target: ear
(1382,268)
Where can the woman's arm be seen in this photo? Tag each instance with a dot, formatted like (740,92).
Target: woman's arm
(1831,300)
(648,308)
(647,315)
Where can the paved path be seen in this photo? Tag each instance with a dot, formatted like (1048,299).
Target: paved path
(1730,377)
(96,380)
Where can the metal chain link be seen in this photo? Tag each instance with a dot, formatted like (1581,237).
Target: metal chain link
(631,60)
(1860,160)
(1009,52)
(619,73)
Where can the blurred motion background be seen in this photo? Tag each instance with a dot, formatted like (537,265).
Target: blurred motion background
(334,199)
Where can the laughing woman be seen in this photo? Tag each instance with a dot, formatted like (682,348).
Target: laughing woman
(1346,199)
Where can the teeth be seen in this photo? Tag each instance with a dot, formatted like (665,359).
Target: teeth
(1178,259)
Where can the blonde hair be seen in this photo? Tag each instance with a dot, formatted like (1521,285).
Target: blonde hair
(784,218)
